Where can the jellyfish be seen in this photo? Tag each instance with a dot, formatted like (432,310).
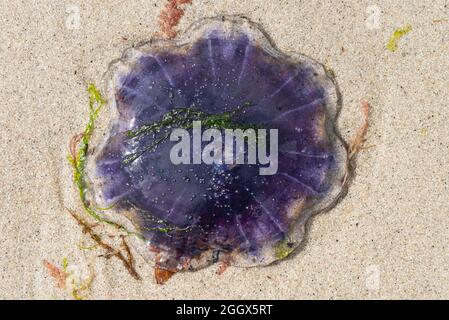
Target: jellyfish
(225,74)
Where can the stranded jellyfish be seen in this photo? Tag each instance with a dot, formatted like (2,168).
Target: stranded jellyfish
(226,75)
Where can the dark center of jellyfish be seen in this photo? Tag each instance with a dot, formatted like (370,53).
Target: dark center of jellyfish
(230,187)
(227,194)
(224,189)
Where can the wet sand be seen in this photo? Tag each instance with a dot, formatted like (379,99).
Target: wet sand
(388,238)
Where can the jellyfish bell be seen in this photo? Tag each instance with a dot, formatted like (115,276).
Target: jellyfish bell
(225,73)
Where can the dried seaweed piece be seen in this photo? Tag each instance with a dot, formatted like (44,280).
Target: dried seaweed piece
(170,16)
(59,275)
(392,44)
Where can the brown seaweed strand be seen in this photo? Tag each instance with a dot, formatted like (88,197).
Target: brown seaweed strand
(128,261)
(170,16)
(357,143)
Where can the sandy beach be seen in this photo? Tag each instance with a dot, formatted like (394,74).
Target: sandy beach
(387,239)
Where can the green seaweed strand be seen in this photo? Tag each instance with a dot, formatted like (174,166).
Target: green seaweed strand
(183,118)
(96,102)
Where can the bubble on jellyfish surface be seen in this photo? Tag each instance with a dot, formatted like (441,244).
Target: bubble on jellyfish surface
(226,73)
